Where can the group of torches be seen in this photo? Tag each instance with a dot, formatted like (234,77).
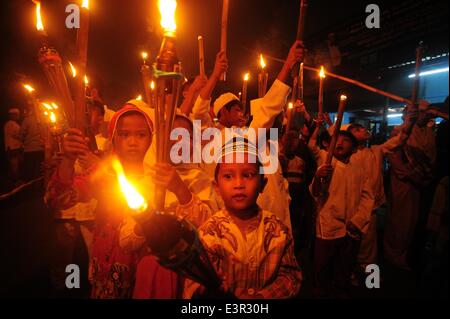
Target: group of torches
(165,232)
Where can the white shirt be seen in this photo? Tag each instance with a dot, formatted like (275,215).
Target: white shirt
(349,199)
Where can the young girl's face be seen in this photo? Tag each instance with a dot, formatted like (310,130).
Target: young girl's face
(239,185)
(132,138)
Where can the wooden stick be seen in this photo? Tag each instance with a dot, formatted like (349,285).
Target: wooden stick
(82,47)
(416,83)
(223,38)
(201,56)
(337,128)
(362,85)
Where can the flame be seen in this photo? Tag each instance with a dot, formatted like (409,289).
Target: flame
(262,62)
(343,97)
(55,106)
(29,88)
(74,71)
(47,106)
(45,113)
(52,117)
(134,200)
(152,85)
(167,9)
(322,72)
(85,4)
(139,97)
(86,80)
(144,55)
(291,105)
(39,24)
(246,76)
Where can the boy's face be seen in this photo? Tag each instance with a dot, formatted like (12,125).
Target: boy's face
(361,134)
(233,117)
(344,148)
(132,138)
(239,184)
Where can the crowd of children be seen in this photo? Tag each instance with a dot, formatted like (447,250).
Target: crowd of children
(252,225)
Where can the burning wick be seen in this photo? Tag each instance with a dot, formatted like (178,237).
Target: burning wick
(29,88)
(144,56)
(262,62)
(72,68)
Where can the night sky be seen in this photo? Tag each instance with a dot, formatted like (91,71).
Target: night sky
(120,30)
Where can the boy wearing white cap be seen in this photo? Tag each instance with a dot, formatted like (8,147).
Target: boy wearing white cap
(249,246)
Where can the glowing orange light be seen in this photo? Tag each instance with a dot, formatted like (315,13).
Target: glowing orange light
(167,9)
(86,80)
(139,97)
(290,105)
(262,62)
(246,76)
(52,117)
(39,24)
(72,68)
(29,88)
(85,4)
(152,85)
(322,72)
(134,200)
(343,97)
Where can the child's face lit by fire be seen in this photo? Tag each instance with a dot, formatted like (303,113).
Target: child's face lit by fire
(240,184)
(132,138)
(344,148)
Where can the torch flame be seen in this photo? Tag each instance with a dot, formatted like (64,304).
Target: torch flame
(343,97)
(144,55)
(246,76)
(152,85)
(139,97)
(134,200)
(52,117)
(47,106)
(167,9)
(262,62)
(29,88)
(291,105)
(85,4)
(86,80)
(74,71)
(322,72)
(39,24)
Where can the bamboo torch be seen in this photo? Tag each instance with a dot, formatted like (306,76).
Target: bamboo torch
(167,79)
(416,83)
(263,77)
(224,33)
(320,102)
(201,56)
(51,64)
(244,91)
(82,49)
(337,128)
(146,78)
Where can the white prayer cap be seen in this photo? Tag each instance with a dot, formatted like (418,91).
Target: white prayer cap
(224,100)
